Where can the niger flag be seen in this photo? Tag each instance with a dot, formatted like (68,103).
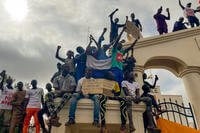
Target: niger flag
(172,127)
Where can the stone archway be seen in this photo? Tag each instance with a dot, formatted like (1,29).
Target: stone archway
(189,74)
(177,52)
(173,64)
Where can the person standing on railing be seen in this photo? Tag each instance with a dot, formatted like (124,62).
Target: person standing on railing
(131,89)
(147,89)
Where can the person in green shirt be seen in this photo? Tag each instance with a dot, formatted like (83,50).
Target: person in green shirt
(117,57)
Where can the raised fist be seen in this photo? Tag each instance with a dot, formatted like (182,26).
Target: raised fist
(156,77)
(58,47)
(116,9)
(3,73)
(105,29)
(167,9)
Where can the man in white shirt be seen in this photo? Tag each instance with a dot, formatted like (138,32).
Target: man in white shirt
(34,105)
(79,95)
(5,104)
(131,89)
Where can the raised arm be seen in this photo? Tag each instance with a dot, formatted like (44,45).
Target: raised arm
(154,84)
(3,75)
(122,25)
(111,15)
(98,46)
(180,4)
(168,14)
(101,38)
(57,54)
(140,26)
(197,10)
(131,47)
(118,38)
(89,45)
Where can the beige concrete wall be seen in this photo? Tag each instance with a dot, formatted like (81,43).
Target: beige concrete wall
(183,45)
(178,52)
(84,118)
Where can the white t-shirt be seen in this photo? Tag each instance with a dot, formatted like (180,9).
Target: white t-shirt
(131,87)
(79,85)
(5,98)
(35,96)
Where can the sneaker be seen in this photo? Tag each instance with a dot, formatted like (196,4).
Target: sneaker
(54,121)
(96,123)
(132,130)
(123,129)
(103,130)
(157,130)
(70,122)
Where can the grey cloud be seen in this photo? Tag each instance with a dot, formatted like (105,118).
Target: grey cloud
(27,49)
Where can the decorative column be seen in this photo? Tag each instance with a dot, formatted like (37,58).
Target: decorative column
(138,71)
(191,78)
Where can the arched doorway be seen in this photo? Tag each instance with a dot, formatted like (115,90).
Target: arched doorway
(189,74)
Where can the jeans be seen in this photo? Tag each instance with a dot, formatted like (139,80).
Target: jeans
(193,20)
(118,74)
(74,101)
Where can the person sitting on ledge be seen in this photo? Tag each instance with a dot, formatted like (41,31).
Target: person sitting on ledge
(179,25)
(79,95)
(69,61)
(117,96)
(65,83)
(56,74)
(131,89)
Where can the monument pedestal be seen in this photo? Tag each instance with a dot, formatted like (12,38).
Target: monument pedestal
(84,118)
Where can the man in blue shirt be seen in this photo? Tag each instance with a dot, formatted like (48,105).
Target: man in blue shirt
(179,25)
(114,26)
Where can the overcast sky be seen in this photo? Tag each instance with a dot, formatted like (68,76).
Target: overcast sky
(32,29)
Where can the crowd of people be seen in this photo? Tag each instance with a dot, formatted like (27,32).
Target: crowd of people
(19,105)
